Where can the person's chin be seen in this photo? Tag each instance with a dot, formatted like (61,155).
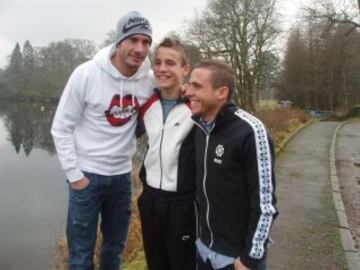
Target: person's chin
(194,111)
(162,84)
(136,63)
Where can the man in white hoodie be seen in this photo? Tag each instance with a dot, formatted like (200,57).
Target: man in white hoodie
(93,131)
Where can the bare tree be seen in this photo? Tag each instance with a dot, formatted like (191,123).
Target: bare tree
(243,33)
(324,69)
(344,13)
(294,77)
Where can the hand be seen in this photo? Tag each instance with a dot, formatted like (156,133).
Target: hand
(183,90)
(80,184)
(238,265)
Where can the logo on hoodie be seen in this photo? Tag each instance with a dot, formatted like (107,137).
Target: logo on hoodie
(121,110)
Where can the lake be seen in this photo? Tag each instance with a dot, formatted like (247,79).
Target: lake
(33,193)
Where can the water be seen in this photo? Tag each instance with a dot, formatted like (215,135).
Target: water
(33,191)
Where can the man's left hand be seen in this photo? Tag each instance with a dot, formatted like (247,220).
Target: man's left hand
(238,265)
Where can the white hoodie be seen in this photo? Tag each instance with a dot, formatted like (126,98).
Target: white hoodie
(94,125)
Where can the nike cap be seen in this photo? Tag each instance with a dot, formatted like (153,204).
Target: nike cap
(132,23)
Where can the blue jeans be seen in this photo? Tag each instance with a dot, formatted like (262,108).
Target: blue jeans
(109,196)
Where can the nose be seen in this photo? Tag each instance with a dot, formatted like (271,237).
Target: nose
(161,66)
(139,47)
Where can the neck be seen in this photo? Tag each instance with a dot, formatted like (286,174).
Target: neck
(169,94)
(212,114)
(208,118)
(121,67)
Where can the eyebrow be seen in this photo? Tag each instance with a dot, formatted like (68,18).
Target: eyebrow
(196,84)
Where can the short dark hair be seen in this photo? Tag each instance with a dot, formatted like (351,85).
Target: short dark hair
(176,44)
(221,74)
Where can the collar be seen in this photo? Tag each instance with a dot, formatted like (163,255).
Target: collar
(226,111)
(179,100)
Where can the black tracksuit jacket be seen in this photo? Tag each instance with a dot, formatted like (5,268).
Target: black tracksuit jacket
(235,185)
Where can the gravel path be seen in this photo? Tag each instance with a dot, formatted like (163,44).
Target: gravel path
(306,232)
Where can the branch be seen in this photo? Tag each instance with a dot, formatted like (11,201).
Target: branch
(345,21)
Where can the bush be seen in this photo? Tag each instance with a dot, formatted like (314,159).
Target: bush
(281,121)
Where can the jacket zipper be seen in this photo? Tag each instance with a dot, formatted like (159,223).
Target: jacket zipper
(161,142)
(197,231)
(160,154)
(204,184)
(205,193)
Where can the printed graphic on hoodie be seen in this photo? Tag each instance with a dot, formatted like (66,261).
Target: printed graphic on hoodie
(121,109)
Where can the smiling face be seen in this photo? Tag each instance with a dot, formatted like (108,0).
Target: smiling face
(169,69)
(130,53)
(206,100)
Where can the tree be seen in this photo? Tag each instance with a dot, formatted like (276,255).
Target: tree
(28,68)
(269,75)
(320,67)
(344,13)
(28,55)
(14,71)
(243,33)
(58,60)
(294,75)
(111,38)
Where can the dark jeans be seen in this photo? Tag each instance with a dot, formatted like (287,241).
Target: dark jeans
(207,265)
(168,228)
(109,196)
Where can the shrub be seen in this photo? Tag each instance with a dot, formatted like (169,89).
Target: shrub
(281,121)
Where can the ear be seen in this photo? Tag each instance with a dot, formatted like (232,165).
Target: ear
(223,92)
(186,69)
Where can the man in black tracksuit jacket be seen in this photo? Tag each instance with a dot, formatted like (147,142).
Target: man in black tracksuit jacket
(235,175)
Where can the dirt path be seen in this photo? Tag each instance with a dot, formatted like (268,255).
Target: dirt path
(348,170)
(306,232)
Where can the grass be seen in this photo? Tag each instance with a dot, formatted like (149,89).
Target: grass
(280,123)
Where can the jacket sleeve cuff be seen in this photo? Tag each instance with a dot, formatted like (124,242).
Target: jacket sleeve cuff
(249,262)
(74,175)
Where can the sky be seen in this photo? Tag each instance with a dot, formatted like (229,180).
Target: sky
(45,21)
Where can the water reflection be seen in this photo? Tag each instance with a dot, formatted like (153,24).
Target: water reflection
(28,125)
(33,192)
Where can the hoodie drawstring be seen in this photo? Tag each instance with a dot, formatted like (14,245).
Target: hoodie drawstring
(121,93)
(133,97)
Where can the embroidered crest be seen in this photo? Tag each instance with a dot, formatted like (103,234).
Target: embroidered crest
(219,151)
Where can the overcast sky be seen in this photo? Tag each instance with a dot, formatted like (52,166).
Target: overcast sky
(44,21)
